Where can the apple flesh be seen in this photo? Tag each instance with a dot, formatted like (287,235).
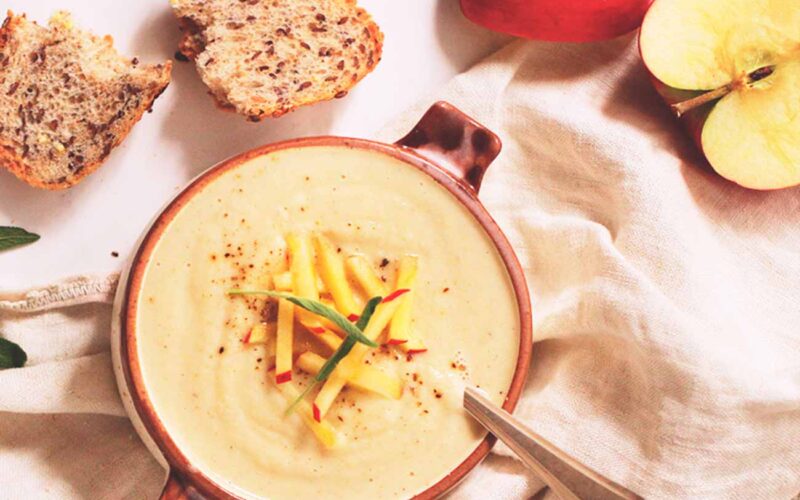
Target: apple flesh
(283,342)
(333,274)
(401,332)
(367,378)
(558,20)
(731,69)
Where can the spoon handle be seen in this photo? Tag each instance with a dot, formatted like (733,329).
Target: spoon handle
(528,446)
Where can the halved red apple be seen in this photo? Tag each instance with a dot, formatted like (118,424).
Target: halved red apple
(739,60)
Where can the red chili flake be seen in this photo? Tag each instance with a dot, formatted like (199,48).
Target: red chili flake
(415,351)
(353,317)
(283,377)
(317,329)
(397,341)
(395,294)
(246,338)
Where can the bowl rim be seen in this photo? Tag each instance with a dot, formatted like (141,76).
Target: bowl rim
(130,364)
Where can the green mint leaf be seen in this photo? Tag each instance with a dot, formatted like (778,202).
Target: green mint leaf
(11,237)
(348,343)
(333,361)
(11,355)
(366,314)
(317,308)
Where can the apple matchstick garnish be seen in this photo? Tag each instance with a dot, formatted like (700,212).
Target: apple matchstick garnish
(367,378)
(558,20)
(731,70)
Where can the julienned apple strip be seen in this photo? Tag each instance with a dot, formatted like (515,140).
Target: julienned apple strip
(259,334)
(304,281)
(353,361)
(368,279)
(283,283)
(323,431)
(330,339)
(401,323)
(367,378)
(304,276)
(400,331)
(283,342)
(332,272)
(366,276)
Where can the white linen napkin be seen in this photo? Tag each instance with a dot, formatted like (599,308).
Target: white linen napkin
(666,304)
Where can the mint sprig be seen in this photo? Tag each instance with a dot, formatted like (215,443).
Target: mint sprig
(317,308)
(11,237)
(11,355)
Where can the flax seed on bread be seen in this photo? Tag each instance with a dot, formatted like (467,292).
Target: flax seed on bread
(66,99)
(268,57)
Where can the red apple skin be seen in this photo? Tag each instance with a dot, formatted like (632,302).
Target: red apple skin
(316,412)
(558,20)
(694,120)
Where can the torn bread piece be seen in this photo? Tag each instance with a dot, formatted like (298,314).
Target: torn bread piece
(266,58)
(67,99)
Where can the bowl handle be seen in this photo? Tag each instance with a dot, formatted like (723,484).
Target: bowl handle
(178,488)
(454,142)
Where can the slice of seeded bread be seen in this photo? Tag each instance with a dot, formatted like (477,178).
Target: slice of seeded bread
(267,57)
(66,99)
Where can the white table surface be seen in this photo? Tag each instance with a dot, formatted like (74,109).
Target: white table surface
(427,42)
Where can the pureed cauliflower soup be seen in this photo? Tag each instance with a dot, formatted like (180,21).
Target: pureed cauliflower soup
(338,225)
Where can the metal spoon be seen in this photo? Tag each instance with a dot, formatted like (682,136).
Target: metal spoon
(562,473)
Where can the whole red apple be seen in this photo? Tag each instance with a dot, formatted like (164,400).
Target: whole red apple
(558,20)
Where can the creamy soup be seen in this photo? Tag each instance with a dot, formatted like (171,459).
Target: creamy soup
(214,394)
